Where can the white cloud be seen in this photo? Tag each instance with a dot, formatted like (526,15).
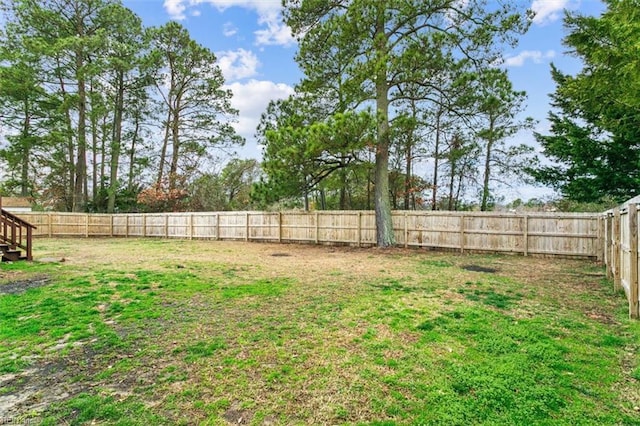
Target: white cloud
(536,56)
(175,8)
(251,99)
(275,32)
(548,11)
(238,64)
(229,29)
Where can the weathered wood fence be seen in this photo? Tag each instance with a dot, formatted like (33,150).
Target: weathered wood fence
(575,234)
(621,251)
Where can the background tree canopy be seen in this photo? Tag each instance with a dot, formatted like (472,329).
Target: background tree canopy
(404,104)
(85,89)
(594,143)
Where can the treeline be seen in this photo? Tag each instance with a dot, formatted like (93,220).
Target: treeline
(404,105)
(98,108)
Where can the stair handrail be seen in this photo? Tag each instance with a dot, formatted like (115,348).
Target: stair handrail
(10,221)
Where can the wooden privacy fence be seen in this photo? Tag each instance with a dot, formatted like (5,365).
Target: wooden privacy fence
(575,234)
(621,252)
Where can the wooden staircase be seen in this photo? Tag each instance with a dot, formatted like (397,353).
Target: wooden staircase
(16,236)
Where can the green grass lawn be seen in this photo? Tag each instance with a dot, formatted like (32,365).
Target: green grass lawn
(145,332)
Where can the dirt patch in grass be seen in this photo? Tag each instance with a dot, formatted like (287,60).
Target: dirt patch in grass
(477,268)
(45,382)
(20,286)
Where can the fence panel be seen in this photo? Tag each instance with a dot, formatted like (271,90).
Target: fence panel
(549,234)
(570,235)
(622,253)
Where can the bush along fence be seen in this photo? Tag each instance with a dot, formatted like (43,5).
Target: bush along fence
(621,251)
(575,234)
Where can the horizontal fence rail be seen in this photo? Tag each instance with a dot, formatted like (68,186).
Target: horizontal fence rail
(565,234)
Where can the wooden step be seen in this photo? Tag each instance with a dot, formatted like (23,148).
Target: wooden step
(11,255)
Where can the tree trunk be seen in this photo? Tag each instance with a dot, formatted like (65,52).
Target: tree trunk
(132,153)
(94,158)
(343,188)
(384,222)
(79,193)
(453,152)
(175,140)
(451,186)
(163,151)
(487,167)
(26,151)
(71,168)
(93,119)
(116,144)
(103,151)
(407,177)
(486,177)
(436,158)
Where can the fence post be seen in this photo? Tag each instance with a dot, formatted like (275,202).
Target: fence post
(634,311)
(525,233)
(144,225)
(49,224)
(190,224)
(126,226)
(406,230)
(461,233)
(600,241)
(111,225)
(317,227)
(217,226)
(246,230)
(616,250)
(86,226)
(279,227)
(359,228)
(29,243)
(608,245)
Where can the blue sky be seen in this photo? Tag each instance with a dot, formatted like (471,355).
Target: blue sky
(256,53)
